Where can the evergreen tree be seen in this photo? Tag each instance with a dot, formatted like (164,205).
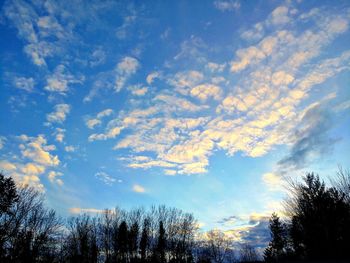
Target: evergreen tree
(132,241)
(8,193)
(277,247)
(144,242)
(122,241)
(320,218)
(161,244)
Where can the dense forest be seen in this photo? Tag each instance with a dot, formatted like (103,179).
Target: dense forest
(315,225)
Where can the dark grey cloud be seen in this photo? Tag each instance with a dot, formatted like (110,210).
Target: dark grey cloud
(254,231)
(228,219)
(312,140)
(258,235)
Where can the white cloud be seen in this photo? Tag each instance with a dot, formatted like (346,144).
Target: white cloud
(125,69)
(106,178)
(98,57)
(227,5)
(250,113)
(246,57)
(281,78)
(152,76)
(214,67)
(91,123)
(255,33)
(138,90)
(59,134)
(185,80)
(78,210)
(59,81)
(193,48)
(43,36)
(273,181)
(23,17)
(204,91)
(173,103)
(104,113)
(37,150)
(70,148)
(110,133)
(32,169)
(53,177)
(7,166)
(279,16)
(342,106)
(60,113)
(170,172)
(2,142)
(124,30)
(23,83)
(138,188)
(34,160)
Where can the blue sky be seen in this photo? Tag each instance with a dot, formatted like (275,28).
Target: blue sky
(201,105)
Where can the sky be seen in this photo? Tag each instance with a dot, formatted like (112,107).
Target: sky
(206,106)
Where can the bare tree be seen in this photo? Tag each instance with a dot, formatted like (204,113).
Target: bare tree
(29,230)
(248,253)
(81,242)
(105,234)
(219,247)
(342,183)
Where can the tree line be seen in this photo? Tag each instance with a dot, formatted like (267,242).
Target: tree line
(30,232)
(316,225)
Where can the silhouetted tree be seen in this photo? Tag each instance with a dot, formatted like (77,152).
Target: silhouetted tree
(28,230)
(8,197)
(217,247)
(133,241)
(106,235)
(144,242)
(8,194)
(122,242)
(248,253)
(81,242)
(320,220)
(160,249)
(276,249)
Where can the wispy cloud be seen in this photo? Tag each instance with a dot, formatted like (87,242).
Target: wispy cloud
(54,177)
(106,178)
(227,5)
(273,181)
(2,142)
(98,57)
(78,210)
(44,36)
(152,76)
(23,83)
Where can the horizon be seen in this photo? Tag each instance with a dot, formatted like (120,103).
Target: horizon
(205,106)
